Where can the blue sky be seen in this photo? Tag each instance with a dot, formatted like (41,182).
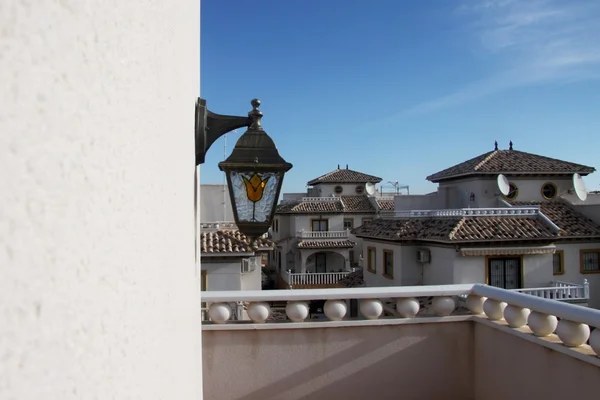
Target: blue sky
(403,89)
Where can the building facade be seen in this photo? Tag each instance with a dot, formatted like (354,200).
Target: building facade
(469,232)
(312,230)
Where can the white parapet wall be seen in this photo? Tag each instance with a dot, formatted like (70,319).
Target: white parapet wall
(98,294)
(570,323)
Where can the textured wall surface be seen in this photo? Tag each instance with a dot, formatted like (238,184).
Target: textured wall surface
(98,294)
(417,361)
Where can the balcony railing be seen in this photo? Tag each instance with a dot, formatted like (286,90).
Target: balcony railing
(562,291)
(323,234)
(542,316)
(313,278)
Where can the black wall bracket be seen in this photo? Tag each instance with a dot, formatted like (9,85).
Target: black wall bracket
(210,126)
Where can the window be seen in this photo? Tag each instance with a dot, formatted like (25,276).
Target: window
(558,262)
(504,272)
(549,190)
(513,192)
(203,281)
(276,225)
(388,263)
(590,261)
(319,225)
(279,261)
(371,259)
(348,223)
(338,189)
(366,220)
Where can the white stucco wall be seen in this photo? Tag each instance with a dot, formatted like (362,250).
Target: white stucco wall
(99,297)
(227,274)
(487,193)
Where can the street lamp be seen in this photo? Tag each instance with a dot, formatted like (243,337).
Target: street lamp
(254,170)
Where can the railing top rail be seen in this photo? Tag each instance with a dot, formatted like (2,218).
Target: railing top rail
(559,309)
(552,288)
(335,293)
(320,199)
(464,212)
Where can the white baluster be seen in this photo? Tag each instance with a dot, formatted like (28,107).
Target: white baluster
(219,313)
(371,308)
(297,311)
(335,310)
(443,305)
(475,303)
(259,311)
(408,307)
(572,334)
(516,317)
(541,324)
(494,309)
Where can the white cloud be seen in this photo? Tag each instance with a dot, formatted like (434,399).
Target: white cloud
(530,42)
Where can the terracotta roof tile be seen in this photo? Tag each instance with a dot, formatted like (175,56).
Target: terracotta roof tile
(345,176)
(386,205)
(345,204)
(357,204)
(230,241)
(457,229)
(325,244)
(570,222)
(501,228)
(510,162)
(310,207)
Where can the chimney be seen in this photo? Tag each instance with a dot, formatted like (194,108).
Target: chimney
(510,145)
(338,166)
(346,166)
(496,145)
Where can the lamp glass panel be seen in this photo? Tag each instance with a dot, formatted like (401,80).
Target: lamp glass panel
(254,194)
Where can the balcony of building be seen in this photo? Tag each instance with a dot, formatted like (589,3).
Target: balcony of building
(327,235)
(431,343)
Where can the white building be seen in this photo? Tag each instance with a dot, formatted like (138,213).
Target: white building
(229,262)
(467,232)
(312,230)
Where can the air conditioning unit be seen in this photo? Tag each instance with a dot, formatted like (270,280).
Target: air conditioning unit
(249,265)
(423,256)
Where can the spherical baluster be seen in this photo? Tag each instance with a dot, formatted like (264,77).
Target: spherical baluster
(443,305)
(475,303)
(541,324)
(516,317)
(335,310)
(494,309)
(408,307)
(371,308)
(595,341)
(259,311)
(297,311)
(572,334)
(219,313)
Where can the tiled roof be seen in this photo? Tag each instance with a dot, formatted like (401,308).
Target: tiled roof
(501,228)
(325,244)
(230,241)
(510,162)
(308,207)
(360,204)
(345,204)
(570,222)
(345,176)
(386,205)
(463,229)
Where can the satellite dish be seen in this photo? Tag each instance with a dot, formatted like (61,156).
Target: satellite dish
(503,185)
(579,186)
(370,188)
